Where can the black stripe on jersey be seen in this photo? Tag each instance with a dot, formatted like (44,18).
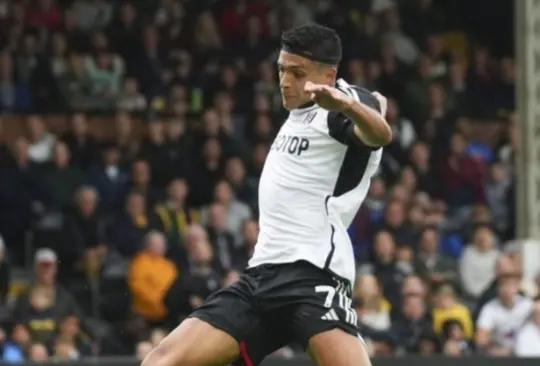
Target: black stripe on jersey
(330,255)
(358,153)
(326,203)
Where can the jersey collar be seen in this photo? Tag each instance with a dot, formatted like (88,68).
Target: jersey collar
(303,109)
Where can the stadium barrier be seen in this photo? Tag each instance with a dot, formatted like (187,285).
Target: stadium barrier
(304,361)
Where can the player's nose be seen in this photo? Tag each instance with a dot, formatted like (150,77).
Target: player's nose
(284,83)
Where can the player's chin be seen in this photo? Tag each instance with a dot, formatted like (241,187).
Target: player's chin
(286,104)
(289,103)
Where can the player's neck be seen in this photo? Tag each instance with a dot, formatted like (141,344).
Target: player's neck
(303,109)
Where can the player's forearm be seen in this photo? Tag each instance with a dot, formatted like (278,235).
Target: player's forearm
(370,126)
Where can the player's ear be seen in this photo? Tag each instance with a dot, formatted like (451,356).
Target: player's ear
(330,74)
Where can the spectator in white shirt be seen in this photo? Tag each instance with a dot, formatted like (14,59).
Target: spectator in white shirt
(131,99)
(41,141)
(501,318)
(528,338)
(477,264)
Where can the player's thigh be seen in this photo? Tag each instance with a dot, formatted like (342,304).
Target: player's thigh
(212,334)
(194,343)
(336,347)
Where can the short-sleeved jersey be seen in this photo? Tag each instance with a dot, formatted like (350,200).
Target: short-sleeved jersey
(504,323)
(314,180)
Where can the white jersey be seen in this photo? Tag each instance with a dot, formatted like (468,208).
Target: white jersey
(503,323)
(314,180)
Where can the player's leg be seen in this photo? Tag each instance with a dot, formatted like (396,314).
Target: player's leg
(336,347)
(211,336)
(194,343)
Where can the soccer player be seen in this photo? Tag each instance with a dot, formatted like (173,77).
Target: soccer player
(297,287)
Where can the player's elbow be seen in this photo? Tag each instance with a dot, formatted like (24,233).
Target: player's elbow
(383,136)
(386,135)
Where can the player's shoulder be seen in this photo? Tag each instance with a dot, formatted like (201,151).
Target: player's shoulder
(360,93)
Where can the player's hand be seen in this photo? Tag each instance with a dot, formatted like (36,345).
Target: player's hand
(328,97)
(382,101)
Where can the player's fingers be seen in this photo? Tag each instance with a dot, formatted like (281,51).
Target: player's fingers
(308,86)
(314,88)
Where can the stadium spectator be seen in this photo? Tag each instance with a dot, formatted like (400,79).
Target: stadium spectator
(244,250)
(384,266)
(17,345)
(244,187)
(109,178)
(124,137)
(220,236)
(462,177)
(154,150)
(42,142)
(151,275)
(89,226)
(408,331)
(431,264)
(447,308)
(75,85)
(201,277)
(374,309)
(501,318)
(38,352)
(83,147)
(235,211)
(42,306)
(62,180)
(477,264)
(132,225)
(504,267)
(453,333)
(528,337)
(497,187)
(141,182)
(175,215)
(130,98)
(71,333)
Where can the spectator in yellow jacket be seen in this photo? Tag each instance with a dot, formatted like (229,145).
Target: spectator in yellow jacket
(447,307)
(151,275)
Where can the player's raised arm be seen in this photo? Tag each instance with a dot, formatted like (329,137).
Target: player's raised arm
(369,124)
(365,112)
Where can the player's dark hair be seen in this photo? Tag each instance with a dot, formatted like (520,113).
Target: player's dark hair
(313,41)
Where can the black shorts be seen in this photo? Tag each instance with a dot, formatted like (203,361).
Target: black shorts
(273,305)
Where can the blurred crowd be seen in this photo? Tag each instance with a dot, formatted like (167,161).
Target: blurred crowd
(125,233)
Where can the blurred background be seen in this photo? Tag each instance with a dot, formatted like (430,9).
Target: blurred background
(133,134)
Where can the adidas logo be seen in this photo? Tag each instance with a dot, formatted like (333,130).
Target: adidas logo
(330,315)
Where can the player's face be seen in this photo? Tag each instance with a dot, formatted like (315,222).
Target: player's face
(294,71)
